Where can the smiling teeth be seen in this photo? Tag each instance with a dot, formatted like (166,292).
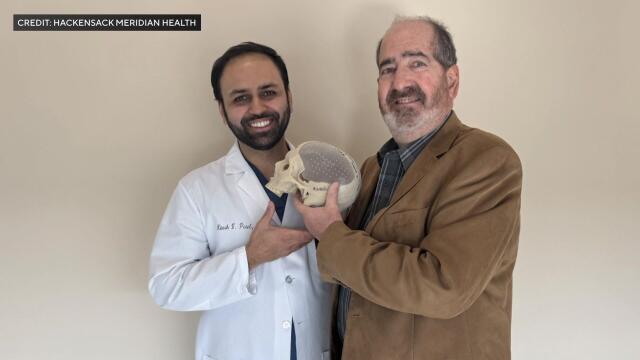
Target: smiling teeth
(258,124)
(405,100)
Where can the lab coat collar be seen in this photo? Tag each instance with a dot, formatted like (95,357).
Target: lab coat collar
(253,195)
(236,163)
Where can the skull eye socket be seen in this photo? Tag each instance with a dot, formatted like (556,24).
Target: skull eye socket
(285,167)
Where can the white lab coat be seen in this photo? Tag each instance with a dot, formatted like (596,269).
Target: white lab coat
(198,262)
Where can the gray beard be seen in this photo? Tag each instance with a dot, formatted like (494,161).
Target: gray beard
(405,125)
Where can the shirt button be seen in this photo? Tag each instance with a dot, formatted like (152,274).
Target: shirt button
(286,324)
(288,279)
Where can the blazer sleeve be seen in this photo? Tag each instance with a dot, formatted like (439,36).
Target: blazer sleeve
(184,275)
(473,220)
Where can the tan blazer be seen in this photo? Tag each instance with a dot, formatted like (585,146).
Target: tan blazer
(432,273)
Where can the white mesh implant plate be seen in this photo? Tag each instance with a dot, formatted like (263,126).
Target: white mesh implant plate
(325,163)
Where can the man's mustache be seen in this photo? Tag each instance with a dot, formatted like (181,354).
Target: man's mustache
(409,91)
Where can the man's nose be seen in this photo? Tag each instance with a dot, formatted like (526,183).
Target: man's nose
(402,78)
(257,106)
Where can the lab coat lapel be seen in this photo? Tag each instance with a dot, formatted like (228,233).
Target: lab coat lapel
(292,218)
(239,174)
(251,192)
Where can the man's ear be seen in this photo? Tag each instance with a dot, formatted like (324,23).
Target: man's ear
(290,100)
(453,80)
(223,113)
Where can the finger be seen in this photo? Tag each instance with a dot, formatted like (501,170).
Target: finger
(268,214)
(299,242)
(297,233)
(305,237)
(332,195)
(297,246)
(302,236)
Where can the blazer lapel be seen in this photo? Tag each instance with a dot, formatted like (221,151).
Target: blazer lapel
(437,146)
(370,173)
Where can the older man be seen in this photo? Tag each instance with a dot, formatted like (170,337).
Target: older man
(427,252)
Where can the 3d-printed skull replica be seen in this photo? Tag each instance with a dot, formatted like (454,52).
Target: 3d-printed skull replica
(311,168)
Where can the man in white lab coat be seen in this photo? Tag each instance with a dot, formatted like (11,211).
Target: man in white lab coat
(229,247)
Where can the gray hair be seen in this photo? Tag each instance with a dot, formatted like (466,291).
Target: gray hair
(444,50)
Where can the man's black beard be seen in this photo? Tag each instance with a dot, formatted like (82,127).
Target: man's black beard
(264,141)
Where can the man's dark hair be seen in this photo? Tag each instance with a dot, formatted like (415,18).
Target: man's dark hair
(444,51)
(242,49)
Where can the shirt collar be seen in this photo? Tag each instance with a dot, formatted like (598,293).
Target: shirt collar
(411,152)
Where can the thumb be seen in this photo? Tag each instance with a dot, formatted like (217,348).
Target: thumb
(332,194)
(298,204)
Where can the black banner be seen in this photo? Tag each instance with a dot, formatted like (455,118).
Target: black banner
(110,22)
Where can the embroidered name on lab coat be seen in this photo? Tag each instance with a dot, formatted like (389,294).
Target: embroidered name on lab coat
(234,226)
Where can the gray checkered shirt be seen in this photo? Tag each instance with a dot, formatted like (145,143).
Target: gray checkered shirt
(394,163)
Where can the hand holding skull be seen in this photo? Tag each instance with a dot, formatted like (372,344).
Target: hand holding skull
(269,242)
(318,219)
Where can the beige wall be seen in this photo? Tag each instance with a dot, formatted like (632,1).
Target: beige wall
(97,128)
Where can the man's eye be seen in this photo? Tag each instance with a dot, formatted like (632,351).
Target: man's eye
(386,70)
(268,93)
(417,64)
(241,99)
